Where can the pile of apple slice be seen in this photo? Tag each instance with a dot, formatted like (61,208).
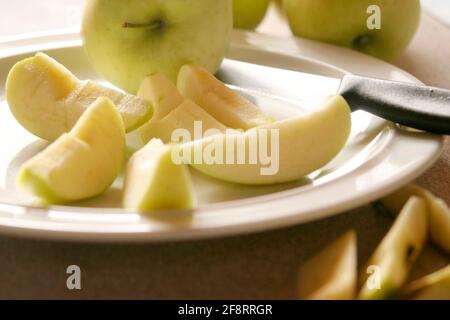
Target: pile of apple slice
(87,124)
(332,274)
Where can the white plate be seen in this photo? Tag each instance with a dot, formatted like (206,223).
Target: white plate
(378,158)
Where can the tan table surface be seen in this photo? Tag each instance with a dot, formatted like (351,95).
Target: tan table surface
(256,266)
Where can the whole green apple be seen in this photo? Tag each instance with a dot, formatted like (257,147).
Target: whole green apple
(128,40)
(248,14)
(350,23)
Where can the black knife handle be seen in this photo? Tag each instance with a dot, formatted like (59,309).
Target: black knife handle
(420,107)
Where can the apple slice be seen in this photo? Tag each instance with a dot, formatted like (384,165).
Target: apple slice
(397,252)
(299,146)
(80,164)
(47,99)
(435,286)
(182,117)
(162,93)
(154,182)
(222,103)
(438,212)
(331,275)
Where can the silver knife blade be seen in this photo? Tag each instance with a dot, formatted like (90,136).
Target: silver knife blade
(283,84)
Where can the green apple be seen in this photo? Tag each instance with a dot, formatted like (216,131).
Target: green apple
(80,164)
(302,145)
(228,107)
(435,286)
(331,274)
(248,14)
(397,252)
(47,99)
(345,23)
(182,117)
(153,182)
(127,40)
(438,212)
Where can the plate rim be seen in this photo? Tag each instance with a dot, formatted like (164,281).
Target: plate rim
(286,46)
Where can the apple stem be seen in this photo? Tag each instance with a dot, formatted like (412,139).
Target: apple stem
(154,25)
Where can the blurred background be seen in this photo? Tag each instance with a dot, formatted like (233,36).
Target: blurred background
(24,16)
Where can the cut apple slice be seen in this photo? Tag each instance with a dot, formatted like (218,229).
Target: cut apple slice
(438,212)
(162,93)
(222,103)
(435,286)
(82,163)
(182,117)
(47,99)
(296,147)
(331,275)
(393,258)
(153,182)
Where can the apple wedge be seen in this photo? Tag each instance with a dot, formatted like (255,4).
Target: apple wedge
(297,147)
(228,107)
(435,286)
(47,99)
(331,275)
(153,182)
(162,93)
(393,258)
(171,111)
(438,212)
(182,117)
(80,164)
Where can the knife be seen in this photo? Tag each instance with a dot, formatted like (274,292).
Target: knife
(412,105)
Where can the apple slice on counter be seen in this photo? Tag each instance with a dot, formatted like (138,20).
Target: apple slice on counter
(80,164)
(182,117)
(331,274)
(435,286)
(228,107)
(153,182)
(438,212)
(298,146)
(396,253)
(47,99)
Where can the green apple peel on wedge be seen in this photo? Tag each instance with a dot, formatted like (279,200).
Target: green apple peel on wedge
(393,258)
(47,99)
(128,40)
(297,147)
(228,107)
(332,274)
(438,212)
(153,182)
(80,164)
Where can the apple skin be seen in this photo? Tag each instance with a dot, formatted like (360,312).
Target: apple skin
(183,31)
(248,14)
(344,23)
